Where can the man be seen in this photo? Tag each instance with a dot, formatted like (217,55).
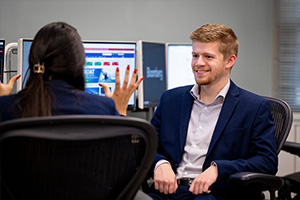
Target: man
(212,129)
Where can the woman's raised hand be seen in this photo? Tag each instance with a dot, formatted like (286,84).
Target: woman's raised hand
(122,94)
(6,89)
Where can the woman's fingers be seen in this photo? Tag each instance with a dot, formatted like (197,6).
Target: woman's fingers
(117,86)
(125,82)
(106,89)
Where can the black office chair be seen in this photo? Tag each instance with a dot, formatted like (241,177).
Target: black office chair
(291,187)
(75,157)
(283,118)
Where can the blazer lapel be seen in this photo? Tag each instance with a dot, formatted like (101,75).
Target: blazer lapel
(229,105)
(185,109)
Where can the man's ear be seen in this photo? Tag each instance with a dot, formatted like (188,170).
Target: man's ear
(230,61)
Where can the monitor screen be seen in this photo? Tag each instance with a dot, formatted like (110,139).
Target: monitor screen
(151,65)
(102,59)
(2,51)
(179,59)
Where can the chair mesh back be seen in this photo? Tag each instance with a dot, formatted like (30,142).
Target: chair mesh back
(44,169)
(282,117)
(47,168)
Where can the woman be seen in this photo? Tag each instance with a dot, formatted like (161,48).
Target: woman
(55,85)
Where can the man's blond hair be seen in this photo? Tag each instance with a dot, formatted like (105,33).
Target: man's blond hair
(216,32)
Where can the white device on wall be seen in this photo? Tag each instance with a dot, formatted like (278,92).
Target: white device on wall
(179,70)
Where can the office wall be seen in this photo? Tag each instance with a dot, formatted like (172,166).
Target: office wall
(157,20)
(161,21)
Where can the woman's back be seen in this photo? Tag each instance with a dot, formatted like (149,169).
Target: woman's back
(65,100)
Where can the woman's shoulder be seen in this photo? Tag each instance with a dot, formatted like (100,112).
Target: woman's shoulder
(8,99)
(8,107)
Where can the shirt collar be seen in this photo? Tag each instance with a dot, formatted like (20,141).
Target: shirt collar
(195,91)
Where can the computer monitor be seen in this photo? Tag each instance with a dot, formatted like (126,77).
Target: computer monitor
(2,51)
(102,59)
(152,65)
(24,45)
(179,59)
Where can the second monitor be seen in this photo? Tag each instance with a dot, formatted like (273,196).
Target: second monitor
(152,65)
(179,59)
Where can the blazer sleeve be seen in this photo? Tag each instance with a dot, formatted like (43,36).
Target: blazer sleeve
(156,122)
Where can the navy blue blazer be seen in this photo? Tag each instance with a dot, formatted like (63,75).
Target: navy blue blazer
(243,139)
(65,101)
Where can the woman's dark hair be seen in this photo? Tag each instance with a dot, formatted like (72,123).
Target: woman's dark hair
(59,48)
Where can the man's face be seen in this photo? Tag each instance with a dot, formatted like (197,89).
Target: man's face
(208,64)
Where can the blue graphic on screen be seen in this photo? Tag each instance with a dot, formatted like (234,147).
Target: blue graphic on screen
(92,75)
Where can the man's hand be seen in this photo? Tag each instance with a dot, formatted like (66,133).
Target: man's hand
(6,89)
(202,182)
(165,179)
(122,94)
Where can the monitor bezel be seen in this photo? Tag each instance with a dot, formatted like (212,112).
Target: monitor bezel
(20,61)
(3,58)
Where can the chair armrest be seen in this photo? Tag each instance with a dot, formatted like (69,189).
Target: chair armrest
(268,182)
(292,147)
(140,195)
